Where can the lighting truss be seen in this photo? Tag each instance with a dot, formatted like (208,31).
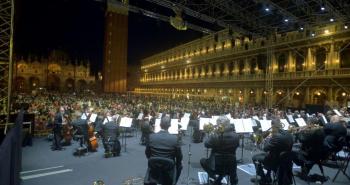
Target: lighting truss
(6,32)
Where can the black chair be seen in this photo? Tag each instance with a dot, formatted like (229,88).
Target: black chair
(342,163)
(283,174)
(222,166)
(160,171)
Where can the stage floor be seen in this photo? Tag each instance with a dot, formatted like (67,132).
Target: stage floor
(41,166)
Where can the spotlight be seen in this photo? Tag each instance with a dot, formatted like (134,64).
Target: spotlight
(326,31)
(286,20)
(346,27)
(301,28)
(313,34)
(323,8)
(331,19)
(267,9)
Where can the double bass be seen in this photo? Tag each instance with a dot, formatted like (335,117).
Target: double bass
(92,142)
(67,129)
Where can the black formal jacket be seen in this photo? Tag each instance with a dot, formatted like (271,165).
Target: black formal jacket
(335,136)
(278,143)
(163,144)
(110,130)
(225,143)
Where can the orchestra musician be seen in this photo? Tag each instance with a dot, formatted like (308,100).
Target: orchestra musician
(224,141)
(279,141)
(163,144)
(110,134)
(57,129)
(146,127)
(318,143)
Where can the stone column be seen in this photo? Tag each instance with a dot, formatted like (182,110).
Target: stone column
(307,96)
(217,70)
(190,73)
(330,96)
(203,72)
(235,69)
(291,62)
(258,95)
(180,75)
(246,66)
(210,70)
(226,70)
(196,73)
(310,59)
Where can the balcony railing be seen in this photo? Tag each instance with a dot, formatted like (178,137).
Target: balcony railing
(154,61)
(334,73)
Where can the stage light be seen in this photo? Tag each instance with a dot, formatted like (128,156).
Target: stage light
(188,61)
(331,20)
(343,94)
(323,8)
(346,27)
(286,20)
(313,34)
(267,9)
(326,31)
(301,28)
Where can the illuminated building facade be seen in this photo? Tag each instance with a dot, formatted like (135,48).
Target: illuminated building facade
(305,67)
(116,45)
(56,72)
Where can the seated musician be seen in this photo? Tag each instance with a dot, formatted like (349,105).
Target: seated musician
(279,141)
(225,141)
(318,144)
(110,133)
(163,144)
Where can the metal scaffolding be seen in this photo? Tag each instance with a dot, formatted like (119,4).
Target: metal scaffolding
(6,47)
(269,78)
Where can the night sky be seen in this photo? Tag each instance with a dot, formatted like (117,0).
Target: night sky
(77,27)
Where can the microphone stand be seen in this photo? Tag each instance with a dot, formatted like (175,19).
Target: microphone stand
(188,180)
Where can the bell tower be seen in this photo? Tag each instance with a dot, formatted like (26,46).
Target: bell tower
(115,46)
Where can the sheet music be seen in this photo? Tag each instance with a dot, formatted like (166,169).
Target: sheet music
(160,115)
(126,122)
(228,116)
(300,122)
(238,123)
(84,117)
(187,115)
(214,119)
(254,122)
(174,126)
(255,117)
(248,125)
(290,118)
(157,126)
(285,124)
(93,117)
(265,125)
(202,122)
(108,119)
(184,123)
(337,112)
(139,117)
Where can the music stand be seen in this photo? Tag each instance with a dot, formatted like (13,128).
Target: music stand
(125,123)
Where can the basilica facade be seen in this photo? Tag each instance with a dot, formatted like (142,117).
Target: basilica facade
(54,73)
(309,66)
